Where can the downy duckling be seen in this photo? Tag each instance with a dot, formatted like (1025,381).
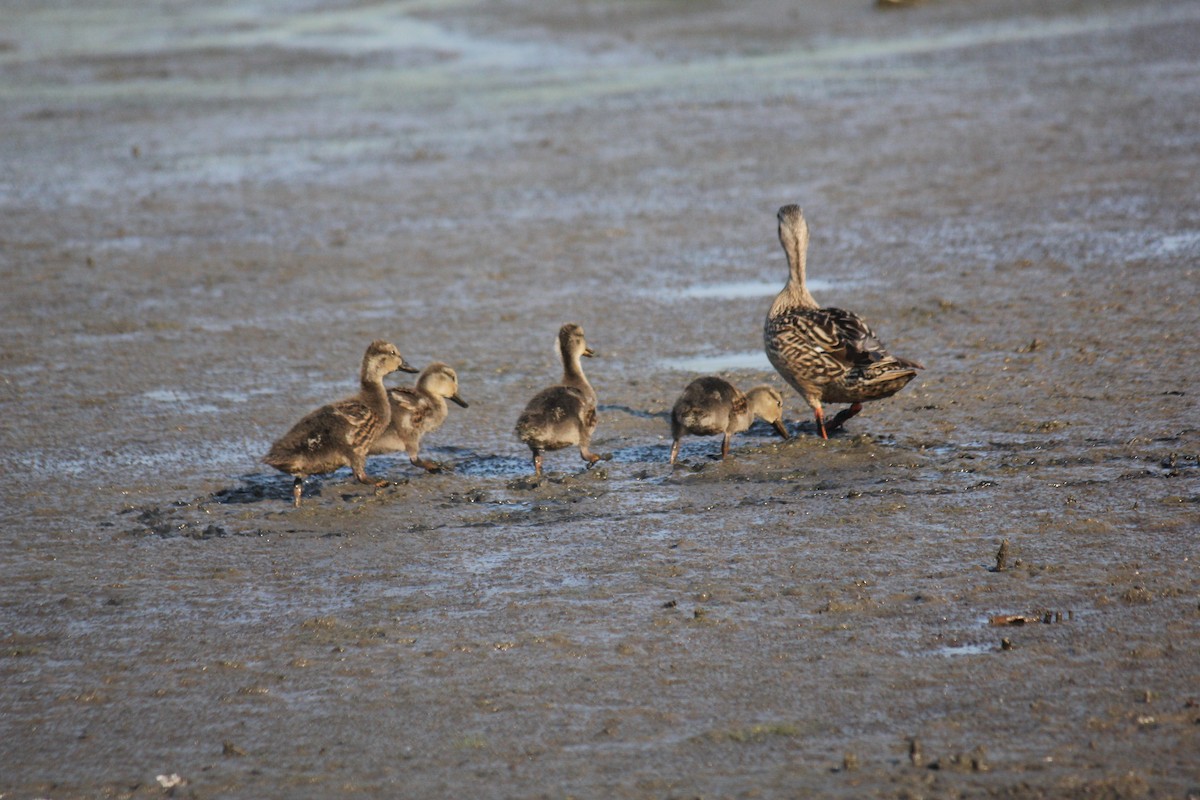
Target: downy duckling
(341,434)
(826,354)
(565,414)
(417,411)
(711,405)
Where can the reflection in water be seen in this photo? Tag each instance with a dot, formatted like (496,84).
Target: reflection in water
(964,650)
(752,360)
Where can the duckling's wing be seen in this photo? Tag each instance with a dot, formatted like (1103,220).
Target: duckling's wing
(317,443)
(404,397)
(556,403)
(739,404)
(352,413)
(556,417)
(409,408)
(355,423)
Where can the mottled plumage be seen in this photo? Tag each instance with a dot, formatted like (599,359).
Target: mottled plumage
(417,411)
(712,405)
(562,415)
(827,354)
(341,434)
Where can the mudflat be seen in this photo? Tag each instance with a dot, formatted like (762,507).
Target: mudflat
(985,585)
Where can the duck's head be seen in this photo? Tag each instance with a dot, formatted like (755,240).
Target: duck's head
(383,358)
(440,379)
(571,342)
(767,403)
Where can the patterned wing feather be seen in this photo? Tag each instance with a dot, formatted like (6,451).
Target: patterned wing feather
(412,406)
(361,424)
(739,404)
(810,343)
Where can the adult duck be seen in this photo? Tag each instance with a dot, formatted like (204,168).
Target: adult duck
(828,355)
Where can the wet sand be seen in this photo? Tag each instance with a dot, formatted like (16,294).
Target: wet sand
(207,212)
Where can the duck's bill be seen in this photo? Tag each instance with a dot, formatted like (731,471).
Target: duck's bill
(459,400)
(590,353)
(406,367)
(781,428)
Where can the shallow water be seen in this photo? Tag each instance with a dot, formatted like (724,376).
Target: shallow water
(721,362)
(208,212)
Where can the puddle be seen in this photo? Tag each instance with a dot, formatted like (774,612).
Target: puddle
(964,650)
(493,466)
(751,360)
(736,290)
(185,402)
(141,459)
(642,454)
(1179,244)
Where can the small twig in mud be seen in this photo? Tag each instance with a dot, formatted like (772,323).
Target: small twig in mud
(1002,557)
(1046,617)
(1014,619)
(915,756)
(975,761)
(1035,344)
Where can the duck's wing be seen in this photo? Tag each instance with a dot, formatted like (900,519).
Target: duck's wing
(814,341)
(863,347)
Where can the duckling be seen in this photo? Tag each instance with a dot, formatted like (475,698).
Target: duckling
(826,354)
(341,434)
(565,414)
(714,405)
(418,411)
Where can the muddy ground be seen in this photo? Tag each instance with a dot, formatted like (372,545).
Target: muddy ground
(208,210)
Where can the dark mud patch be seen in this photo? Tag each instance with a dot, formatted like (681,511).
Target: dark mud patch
(179,521)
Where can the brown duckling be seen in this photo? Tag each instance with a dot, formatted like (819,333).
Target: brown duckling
(341,434)
(562,415)
(712,405)
(827,354)
(417,411)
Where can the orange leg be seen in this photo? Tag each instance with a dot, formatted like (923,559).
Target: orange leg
(820,416)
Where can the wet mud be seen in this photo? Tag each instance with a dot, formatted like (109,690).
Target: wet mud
(983,586)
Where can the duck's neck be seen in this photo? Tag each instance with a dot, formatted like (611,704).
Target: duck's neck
(573,376)
(795,294)
(374,394)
